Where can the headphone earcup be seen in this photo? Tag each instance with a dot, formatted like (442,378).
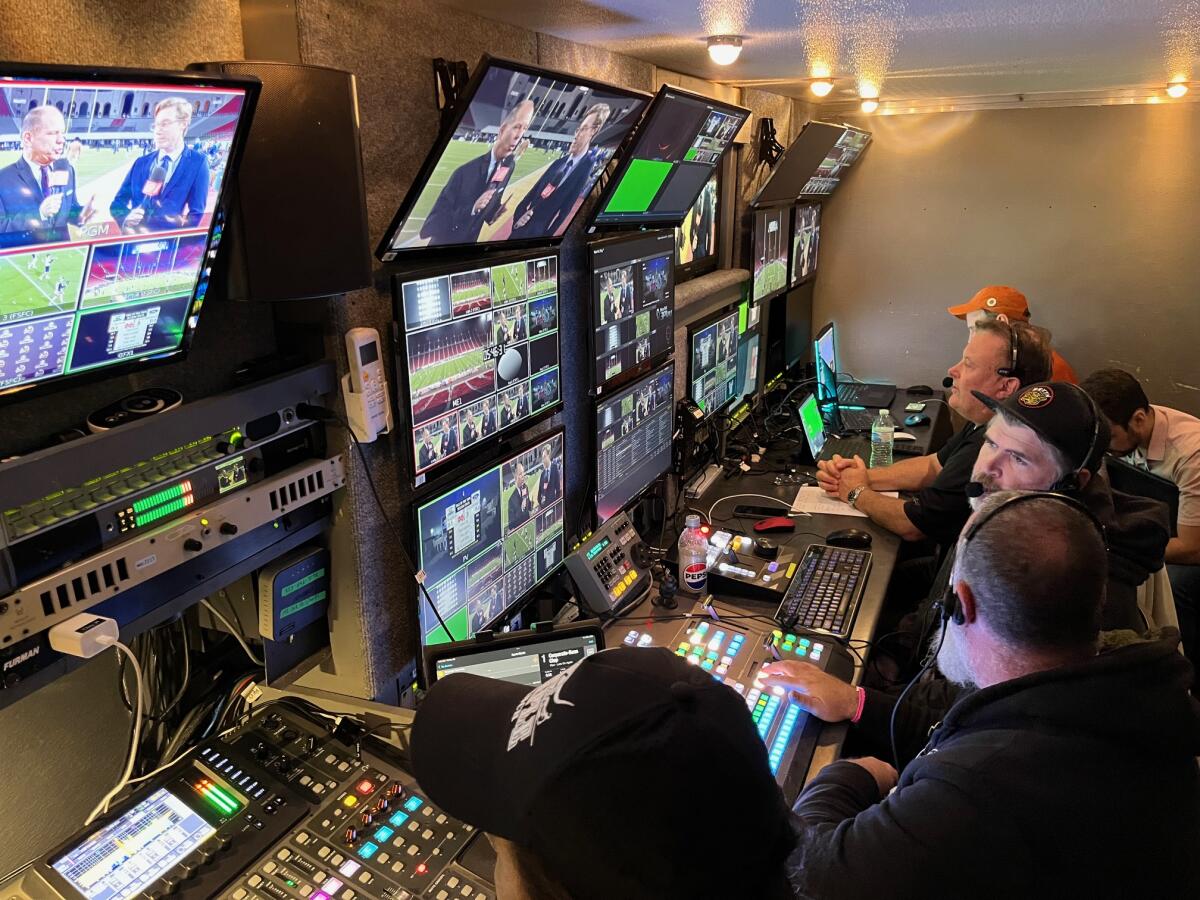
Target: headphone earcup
(950,607)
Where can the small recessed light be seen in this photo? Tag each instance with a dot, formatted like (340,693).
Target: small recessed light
(821,87)
(1176,89)
(724,49)
(870,105)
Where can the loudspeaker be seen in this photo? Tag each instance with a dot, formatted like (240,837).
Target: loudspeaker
(296,224)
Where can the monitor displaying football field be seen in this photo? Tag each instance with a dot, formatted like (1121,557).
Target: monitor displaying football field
(713,362)
(769,256)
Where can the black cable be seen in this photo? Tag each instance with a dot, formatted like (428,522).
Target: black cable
(904,693)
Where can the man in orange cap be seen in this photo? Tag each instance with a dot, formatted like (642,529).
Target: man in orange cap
(999,301)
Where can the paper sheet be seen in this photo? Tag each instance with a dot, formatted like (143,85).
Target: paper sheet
(815,501)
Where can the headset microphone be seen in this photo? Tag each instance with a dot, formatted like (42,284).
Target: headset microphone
(947,382)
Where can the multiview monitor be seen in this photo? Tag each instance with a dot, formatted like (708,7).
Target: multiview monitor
(478,353)
(111,190)
(696,248)
(633,304)
(829,173)
(713,362)
(633,440)
(487,542)
(677,147)
(525,148)
(806,236)
(769,253)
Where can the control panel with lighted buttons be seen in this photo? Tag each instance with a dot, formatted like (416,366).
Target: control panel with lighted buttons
(717,640)
(604,567)
(735,569)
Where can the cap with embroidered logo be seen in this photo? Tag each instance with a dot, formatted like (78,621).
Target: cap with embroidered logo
(996,299)
(617,773)
(1061,414)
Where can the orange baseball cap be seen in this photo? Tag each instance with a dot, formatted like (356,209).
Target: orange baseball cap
(996,299)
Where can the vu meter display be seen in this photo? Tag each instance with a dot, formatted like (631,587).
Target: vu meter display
(156,506)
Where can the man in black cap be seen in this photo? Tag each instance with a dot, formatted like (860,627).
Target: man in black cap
(593,785)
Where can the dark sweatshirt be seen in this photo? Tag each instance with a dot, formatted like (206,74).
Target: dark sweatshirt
(1079,781)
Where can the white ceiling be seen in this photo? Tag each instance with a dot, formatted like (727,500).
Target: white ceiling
(940,49)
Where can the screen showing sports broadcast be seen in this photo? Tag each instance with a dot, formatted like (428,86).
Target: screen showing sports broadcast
(633,302)
(832,168)
(714,363)
(679,145)
(770,254)
(485,544)
(806,235)
(696,238)
(633,440)
(481,347)
(525,152)
(107,201)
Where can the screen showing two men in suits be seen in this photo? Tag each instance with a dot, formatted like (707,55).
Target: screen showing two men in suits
(107,193)
(526,152)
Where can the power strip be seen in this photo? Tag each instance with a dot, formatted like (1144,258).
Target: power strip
(702,482)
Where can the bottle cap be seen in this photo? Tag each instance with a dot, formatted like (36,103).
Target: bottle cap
(692,521)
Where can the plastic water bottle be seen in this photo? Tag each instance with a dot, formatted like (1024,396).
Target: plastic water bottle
(693,557)
(883,439)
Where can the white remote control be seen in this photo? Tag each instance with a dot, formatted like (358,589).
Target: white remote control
(368,381)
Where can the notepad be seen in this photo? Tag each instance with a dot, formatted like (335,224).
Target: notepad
(814,501)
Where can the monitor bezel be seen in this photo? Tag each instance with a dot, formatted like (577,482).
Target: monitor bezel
(763,197)
(602,388)
(754,213)
(120,75)
(831,330)
(385,253)
(699,325)
(696,268)
(637,497)
(436,474)
(792,247)
(652,223)
(468,474)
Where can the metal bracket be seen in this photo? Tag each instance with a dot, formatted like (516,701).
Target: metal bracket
(449,79)
(769,149)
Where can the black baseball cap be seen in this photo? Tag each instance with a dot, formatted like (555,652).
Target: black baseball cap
(1062,414)
(632,774)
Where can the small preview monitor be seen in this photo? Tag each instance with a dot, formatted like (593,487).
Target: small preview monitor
(770,253)
(633,304)
(529,658)
(486,543)
(829,173)
(813,424)
(713,362)
(524,150)
(677,147)
(825,357)
(633,440)
(792,172)
(747,365)
(696,248)
(806,235)
(478,352)
(111,192)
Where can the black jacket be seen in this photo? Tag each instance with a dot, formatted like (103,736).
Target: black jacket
(1080,781)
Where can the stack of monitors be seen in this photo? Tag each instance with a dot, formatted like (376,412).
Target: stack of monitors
(486,543)
(713,362)
(633,440)
(770,253)
(806,236)
(678,146)
(633,304)
(478,352)
(110,192)
(845,152)
(696,250)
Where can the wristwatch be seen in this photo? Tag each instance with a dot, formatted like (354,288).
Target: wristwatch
(852,497)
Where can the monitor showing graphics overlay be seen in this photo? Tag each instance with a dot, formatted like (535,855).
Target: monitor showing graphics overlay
(828,175)
(478,352)
(525,149)
(806,235)
(110,188)
(633,440)
(486,543)
(696,250)
(679,144)
(713,362)
(769,256)
(633,303)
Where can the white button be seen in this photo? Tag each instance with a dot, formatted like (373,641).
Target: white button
(452,882)
(284,855)
(254,880)
(269,868)
(441,819)
(239,894)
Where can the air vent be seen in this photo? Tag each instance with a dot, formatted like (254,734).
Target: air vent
(83,587)
(297,491)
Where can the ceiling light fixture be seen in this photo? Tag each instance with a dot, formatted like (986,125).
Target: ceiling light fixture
(1177,89)
(821,87)
(724,49)
(870,105)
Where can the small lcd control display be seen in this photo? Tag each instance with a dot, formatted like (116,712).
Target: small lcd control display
(598,549)
(231,475)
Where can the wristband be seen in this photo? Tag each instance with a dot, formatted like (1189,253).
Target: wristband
(862,700)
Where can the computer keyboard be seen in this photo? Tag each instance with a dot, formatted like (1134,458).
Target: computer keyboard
(847,447)
(858,393)
(856,419)
(826,590)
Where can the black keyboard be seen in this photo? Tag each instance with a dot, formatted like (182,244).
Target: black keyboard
(826,590)
(856,419)
(847,447)
(858,393)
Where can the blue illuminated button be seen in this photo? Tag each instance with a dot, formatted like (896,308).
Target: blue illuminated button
(702,627)
(398,819)
(413,803)
(713,654)
(805,641)
(773,567)
(384,833)
(367,850)
(707,665)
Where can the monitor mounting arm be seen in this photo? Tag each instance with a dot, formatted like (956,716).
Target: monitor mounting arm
(449,79)
(769,149)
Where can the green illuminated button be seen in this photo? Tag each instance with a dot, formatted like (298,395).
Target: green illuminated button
(804,642)
(790,638)
(787,645)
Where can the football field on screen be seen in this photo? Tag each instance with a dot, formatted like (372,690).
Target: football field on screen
(25,293)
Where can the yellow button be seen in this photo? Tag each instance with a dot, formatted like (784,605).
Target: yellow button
(350,801)
(791,570)
(620,588)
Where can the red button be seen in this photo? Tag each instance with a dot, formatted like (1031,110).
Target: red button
(365,786)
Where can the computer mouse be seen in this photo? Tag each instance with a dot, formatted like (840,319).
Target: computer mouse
(849,537)
(774,523)
(766,549)
(920,390)
(916,420)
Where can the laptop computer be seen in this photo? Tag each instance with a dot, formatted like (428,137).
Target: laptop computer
(850,396)
(821,443)
(1130,479)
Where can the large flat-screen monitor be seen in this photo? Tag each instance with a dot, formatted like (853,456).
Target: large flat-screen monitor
(111,187)
(713,361)
(769,253)
(633,440)
(696,249)
(633,304)
(793,170)
(828,174)
(525,148)
(806,236)
(488,541)
(477,354)
(679,144)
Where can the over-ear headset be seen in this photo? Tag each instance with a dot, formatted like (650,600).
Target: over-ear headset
(1070,481)
(1011,370)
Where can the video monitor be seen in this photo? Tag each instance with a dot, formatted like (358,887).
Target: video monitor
(806,235)
(713,362)
(633,304)
(111,185)
(678,146)
(796,166)
(477,353)
(770,253)
(747,365)
(696,240)
(486,543)
(828,174)
(825,358)
(524,150)
(633,440)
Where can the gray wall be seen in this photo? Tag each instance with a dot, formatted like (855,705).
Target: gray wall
(1091,211)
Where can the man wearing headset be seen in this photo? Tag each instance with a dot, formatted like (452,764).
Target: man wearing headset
(1067,768)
